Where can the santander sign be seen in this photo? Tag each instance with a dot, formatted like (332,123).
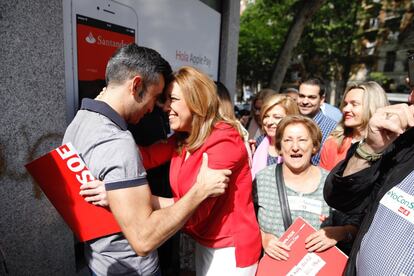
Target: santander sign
(100,40)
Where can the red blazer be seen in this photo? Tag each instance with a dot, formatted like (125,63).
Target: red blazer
(227,220)
(331,154)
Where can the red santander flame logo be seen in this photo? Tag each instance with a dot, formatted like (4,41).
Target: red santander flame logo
(90,38)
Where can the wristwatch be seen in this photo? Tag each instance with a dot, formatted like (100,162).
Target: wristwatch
(370,157)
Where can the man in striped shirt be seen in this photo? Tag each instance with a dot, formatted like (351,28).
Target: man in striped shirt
(377,180)
(311,97)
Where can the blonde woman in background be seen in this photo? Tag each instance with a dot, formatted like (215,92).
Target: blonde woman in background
(274,109)
(359,103)
(255,125)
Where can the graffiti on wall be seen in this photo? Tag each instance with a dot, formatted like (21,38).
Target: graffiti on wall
(19,173)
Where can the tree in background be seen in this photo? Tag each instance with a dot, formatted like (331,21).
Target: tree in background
(304,14)
(271,37)
(328,43)
(263,27)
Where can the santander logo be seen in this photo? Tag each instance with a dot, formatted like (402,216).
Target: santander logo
(100,40)
(90,39)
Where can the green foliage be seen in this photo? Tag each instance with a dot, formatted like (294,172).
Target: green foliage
(378,77)
(324,47)
(263,27)
(326,43)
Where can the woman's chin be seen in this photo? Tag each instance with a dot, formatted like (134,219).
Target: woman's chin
(298,164)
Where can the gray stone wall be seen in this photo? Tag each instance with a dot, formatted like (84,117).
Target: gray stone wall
(230,27)
(33,238)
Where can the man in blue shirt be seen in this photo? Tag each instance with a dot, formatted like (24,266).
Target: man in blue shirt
(331,111)
(311,96)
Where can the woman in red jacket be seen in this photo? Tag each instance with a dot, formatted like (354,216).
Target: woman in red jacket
(225,228)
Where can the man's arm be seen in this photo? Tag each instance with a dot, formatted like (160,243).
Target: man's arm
(328,237)
(147,229)
(159,202)
(158,153)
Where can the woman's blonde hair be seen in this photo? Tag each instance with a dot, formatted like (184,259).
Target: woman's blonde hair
(373,98)
(200,95)
(287,103)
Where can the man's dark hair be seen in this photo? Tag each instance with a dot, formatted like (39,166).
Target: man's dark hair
(317,82)
(242,112)
(130,60)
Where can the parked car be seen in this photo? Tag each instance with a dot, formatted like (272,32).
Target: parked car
(243,105)
(395,98)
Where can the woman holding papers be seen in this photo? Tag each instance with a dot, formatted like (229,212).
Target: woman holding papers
(297,140)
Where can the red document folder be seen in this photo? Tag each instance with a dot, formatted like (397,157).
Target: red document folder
(331,262)
(59,174)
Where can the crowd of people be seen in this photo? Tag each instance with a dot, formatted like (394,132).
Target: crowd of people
(236,183)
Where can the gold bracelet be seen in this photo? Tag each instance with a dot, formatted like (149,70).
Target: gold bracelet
(370,157)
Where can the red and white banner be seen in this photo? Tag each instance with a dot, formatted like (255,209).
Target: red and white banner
(59,174)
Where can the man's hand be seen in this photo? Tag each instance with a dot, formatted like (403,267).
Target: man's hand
(94,192)
(146,228)
(211,182)
(387,124)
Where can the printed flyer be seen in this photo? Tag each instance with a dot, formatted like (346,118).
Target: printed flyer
(331,262)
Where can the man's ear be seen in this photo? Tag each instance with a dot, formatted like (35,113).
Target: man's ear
(136,86)
(322,99)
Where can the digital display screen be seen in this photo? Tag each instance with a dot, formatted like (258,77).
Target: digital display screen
(96,42)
